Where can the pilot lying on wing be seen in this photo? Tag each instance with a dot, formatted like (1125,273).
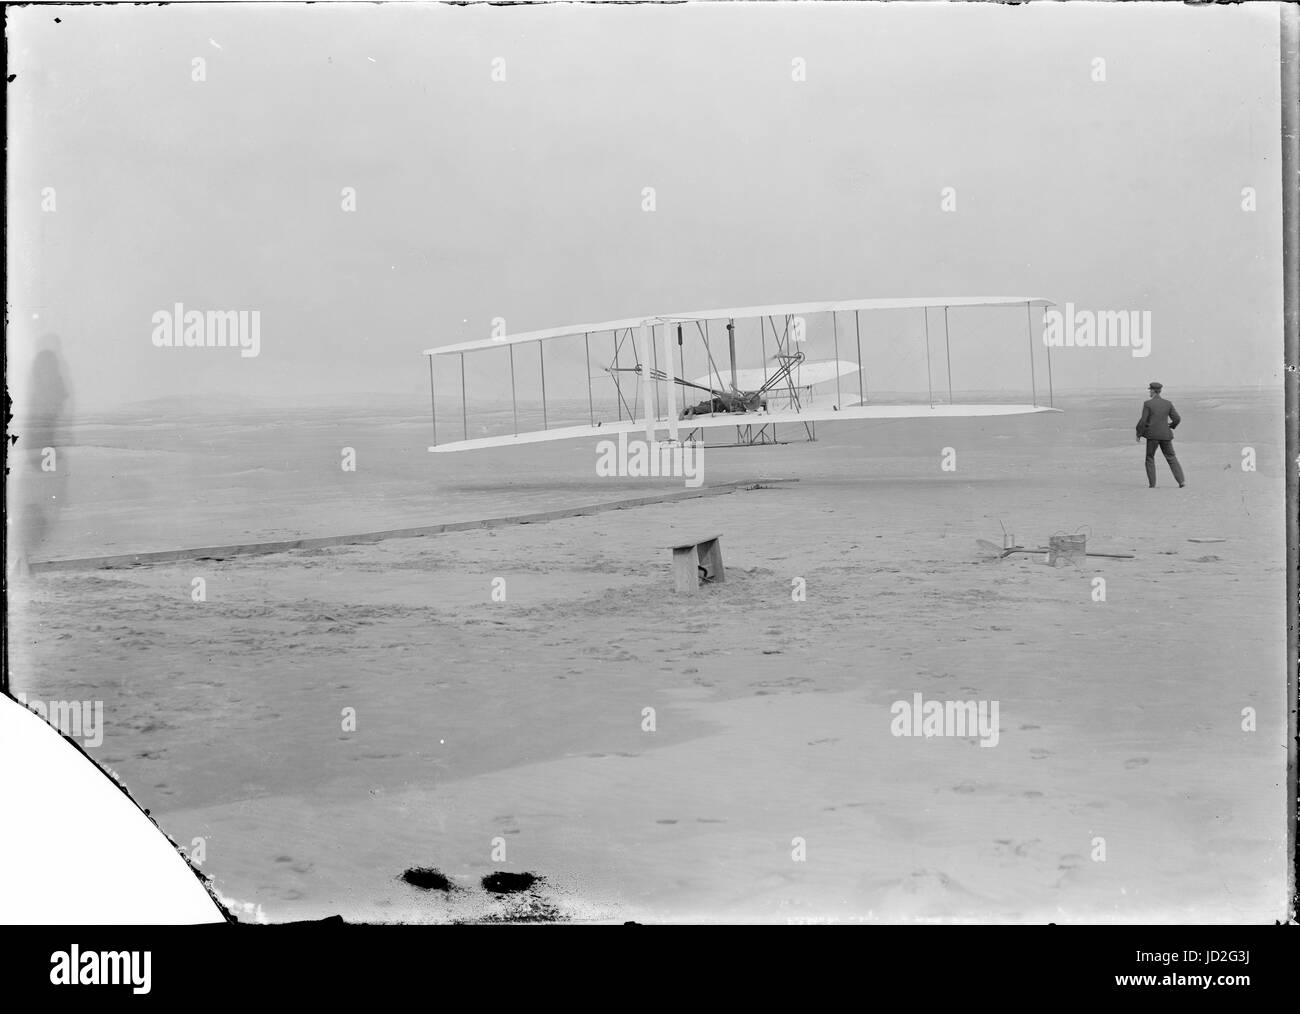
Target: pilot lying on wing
(727,403)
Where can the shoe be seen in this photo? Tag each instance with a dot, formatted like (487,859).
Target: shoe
(1181,485)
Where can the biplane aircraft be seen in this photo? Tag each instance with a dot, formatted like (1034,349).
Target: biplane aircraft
(752,400)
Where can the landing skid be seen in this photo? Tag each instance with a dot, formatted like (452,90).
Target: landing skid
(751,435)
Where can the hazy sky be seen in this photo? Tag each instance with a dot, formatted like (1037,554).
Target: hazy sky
(522,199)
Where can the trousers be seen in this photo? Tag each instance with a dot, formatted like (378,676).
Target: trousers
(1167,447)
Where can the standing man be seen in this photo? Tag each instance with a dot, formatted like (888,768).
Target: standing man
(1157,425)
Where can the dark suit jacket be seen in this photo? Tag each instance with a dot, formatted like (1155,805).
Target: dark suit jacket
(1159,419)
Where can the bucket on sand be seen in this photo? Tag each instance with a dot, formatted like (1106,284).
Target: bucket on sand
(1063,549)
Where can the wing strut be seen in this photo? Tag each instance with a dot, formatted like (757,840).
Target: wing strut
(1051,396)
(671,388)
(514,408)
(643,356)
(835,327)
(928,383)
(586,345)
(862,367)
(1033,381)
(731,345)
(541,359)
(433,404)
(947,352)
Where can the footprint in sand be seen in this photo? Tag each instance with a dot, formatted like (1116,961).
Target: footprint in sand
(1021,849)
(665,821)
(1136,762)
(1038,753)
(1026,728)
(1032,794)
(1071,867)
(927,893)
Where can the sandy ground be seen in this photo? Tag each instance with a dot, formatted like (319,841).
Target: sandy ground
(483,725)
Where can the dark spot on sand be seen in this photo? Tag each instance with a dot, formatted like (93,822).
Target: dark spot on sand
(509,883)
(428,879)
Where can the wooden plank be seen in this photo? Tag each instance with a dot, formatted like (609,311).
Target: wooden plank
(686,573)
(694,542)
(364,538)
(711,560)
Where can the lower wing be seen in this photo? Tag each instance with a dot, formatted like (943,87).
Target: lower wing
(851,413)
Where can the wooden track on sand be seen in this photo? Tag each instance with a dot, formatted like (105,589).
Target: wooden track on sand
(363,538)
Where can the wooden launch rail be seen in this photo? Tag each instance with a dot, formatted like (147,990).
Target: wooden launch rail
(364,538)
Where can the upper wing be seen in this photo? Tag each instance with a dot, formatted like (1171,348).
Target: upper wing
(775,310)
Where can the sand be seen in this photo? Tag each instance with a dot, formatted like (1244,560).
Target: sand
(1122,786)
